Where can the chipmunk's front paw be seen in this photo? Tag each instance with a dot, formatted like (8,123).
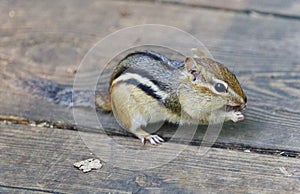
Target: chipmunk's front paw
(153,139)
(237,116)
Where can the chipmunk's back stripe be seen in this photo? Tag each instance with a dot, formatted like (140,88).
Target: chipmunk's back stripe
(144,81)
(151,55)
(118,73)
(129,70)
(147,89)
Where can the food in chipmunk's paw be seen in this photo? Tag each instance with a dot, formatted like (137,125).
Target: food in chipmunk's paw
(147,87)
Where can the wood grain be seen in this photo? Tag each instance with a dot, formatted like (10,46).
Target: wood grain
(42,159)
(265,61)
(47,41)
(276,8)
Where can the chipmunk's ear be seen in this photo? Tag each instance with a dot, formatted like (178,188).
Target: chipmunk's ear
(198,53)
(193,68)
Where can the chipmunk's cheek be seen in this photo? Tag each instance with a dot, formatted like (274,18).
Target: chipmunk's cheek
(237,101)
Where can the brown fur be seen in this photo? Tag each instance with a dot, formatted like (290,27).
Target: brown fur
(222,73)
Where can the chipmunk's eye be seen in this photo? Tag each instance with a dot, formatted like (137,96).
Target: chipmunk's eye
(220,87)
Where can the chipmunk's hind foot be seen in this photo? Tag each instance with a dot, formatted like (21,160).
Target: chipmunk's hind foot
(153,139)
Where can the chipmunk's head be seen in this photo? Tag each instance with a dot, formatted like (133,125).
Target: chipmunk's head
(212,85)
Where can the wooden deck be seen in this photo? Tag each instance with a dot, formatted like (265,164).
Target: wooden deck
(40,141)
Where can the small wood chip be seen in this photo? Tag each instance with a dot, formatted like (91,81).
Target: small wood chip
(72,70)
(43,124)
(88,165)
(141,180)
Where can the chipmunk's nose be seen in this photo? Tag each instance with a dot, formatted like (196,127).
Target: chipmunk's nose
(245,99)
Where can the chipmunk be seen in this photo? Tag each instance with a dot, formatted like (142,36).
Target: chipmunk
(147,87)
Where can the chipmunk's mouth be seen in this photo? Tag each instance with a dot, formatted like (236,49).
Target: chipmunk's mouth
(229,108)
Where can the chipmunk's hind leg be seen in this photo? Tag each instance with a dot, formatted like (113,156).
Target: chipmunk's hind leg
(134,113)
(137,122)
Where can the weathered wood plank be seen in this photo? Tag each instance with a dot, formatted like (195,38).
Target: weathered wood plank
(266,61)
(238,43)
(42,159)
(11,189)
(289,9)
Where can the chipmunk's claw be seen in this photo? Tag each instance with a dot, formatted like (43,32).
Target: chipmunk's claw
(153,139)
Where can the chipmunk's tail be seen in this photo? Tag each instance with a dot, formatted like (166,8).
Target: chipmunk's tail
(103,102)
